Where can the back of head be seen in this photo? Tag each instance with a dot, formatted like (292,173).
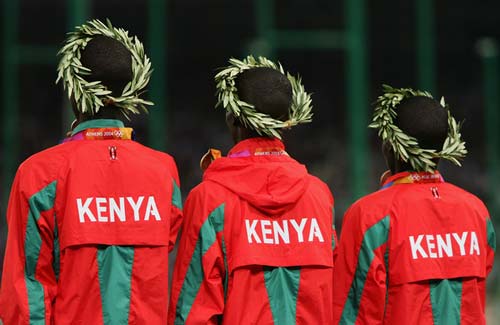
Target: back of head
(260,98)
(425,119)
(109,61)
(97,63)
(268,90)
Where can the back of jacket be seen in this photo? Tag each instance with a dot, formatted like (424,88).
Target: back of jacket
(257,243)
(416,252)
(91,223)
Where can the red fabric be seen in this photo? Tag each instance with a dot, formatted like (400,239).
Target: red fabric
(314,301)
(91,174)
(13,285)
(473,301)
(82,170)
(260,184)
(247,302)
(149,286)
(211,290)
(434,211)
(373,291)
(79,297)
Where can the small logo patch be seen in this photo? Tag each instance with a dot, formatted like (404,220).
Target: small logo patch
(112,152)
(435,192)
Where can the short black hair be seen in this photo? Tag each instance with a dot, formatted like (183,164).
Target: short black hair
(268,90)
(425,119)
(109,61)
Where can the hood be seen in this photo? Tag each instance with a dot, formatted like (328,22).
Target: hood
(270,181)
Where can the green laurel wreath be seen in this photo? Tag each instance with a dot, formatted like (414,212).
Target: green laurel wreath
(406,147)
(264,124)
(91,96)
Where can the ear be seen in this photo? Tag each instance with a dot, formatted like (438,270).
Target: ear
(385,175)
(74,124)
(232,126)
(231,120)
(390,157)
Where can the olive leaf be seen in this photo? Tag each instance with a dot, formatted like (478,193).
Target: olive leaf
(89,95)
(263,124)
(405,146)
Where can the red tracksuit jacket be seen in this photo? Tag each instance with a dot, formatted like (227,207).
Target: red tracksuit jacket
(416,252)
(90,225)
(257,243)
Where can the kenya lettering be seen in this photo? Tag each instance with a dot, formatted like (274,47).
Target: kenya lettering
(439,246)
(277,231)
(101,209)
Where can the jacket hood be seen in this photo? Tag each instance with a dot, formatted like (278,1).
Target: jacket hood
(260,172)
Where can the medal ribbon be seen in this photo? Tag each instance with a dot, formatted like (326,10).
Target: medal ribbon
(259,152)
(111,133)
(413,178)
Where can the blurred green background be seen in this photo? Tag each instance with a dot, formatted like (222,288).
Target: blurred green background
(344,51)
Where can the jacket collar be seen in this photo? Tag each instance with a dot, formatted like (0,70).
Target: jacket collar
(409,177)
(260,146)
(98,123)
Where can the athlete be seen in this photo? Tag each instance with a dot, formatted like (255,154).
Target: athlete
(91,221)
(417,251)
(258,239)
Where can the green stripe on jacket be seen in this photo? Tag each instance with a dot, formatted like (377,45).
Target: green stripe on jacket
(38,203)
(194,274)
(176,195)
(115,275)
(446,301)
(374,237)
(490,231)
(282,284)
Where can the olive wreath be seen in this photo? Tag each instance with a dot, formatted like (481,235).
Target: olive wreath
(91,96)
(405,146)
(264,124)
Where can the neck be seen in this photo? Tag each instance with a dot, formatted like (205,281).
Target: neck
(401,166)
(240,134)
(107,112)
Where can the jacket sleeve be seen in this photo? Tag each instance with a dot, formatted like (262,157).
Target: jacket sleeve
(29,284)
(176,213)
(360,269)
(198,285)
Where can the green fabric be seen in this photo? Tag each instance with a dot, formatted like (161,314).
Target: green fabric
(38,203)
(490,231)
(115,272)
(194,274)
(446,299)
(176,195)
(56,264)
(98,123)
(282,284)
(374,237)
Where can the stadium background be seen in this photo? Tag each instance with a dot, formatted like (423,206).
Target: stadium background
(344,50)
